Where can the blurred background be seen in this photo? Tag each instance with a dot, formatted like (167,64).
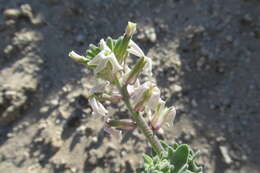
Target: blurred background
(206,57)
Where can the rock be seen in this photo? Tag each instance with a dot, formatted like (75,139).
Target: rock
(54,102)
(151,34)
(226,157)
(12,13)
(24,11)
(8,50)
(247,19)
(94,139)
(147,34)
(175,88)
(44,109)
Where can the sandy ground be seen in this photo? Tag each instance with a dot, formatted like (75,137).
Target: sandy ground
(206,61)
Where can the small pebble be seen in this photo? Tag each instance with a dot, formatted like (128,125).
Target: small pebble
(224,151)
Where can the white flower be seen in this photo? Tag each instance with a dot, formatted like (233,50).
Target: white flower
(163,115)
(137,51)
(103,57)
(146,95)
(98,108)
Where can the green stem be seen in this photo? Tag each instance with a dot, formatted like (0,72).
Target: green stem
(140,121)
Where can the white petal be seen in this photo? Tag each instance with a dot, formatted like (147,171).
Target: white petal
(138,92)
(103,45)
(154,99)
(115,64)
(97,107)
(158,116)
(100,57)
(135,49)
(132,88)
(100,60)
(102,109)
(100,67)
(169,119)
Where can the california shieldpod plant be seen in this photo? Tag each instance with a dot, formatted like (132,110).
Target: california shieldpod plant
(147,111)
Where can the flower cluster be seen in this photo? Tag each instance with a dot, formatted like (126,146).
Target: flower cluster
(108,60)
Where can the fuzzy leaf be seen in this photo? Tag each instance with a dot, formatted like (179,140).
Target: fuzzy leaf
(148,160)
(118,45)
(175,159)
(179,158)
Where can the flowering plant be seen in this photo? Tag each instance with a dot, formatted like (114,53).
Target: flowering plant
(148,111)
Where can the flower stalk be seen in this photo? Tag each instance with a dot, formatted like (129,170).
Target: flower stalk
(140,121)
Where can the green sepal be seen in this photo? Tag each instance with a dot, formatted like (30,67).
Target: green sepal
(111,43)
(92,51)
(120,49)
(136,70)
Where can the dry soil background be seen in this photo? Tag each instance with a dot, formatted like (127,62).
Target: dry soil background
(206,61)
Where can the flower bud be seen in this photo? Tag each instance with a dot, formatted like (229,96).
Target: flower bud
(125,124)
(78,57)
(130,29)
(132,76)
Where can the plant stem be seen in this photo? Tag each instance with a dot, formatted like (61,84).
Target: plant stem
(140,121)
